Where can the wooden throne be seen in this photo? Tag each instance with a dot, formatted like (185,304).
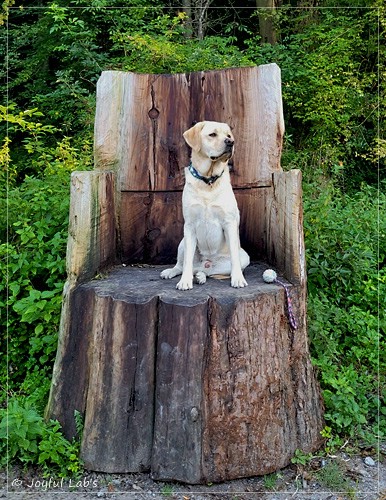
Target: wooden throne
(205,385)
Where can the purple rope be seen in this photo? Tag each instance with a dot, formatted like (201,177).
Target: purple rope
(291,316)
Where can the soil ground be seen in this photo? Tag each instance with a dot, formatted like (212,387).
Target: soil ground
(359,477)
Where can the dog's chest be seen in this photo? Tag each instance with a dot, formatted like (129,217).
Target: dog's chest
(208,223)
(201,213)
(209,205)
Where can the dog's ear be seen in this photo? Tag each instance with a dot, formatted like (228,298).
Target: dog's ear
(192,136)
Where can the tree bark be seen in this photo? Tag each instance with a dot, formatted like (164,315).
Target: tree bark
(162,377)
(187,9)
(200,16)
(267,29)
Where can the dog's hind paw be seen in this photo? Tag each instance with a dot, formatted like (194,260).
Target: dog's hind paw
(200,277)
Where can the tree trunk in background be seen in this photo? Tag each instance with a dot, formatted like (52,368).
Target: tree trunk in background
(187,8)
(201,14)
(197,17)
(266,11)
(309,14)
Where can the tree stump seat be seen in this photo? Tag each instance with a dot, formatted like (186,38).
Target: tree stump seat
(188,384)
(208,384)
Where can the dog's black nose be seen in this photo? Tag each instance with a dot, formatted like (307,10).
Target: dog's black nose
(229,142)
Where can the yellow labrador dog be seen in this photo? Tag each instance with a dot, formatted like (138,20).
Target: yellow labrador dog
(211,243)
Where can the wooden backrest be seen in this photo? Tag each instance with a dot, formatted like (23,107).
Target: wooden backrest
(139,123)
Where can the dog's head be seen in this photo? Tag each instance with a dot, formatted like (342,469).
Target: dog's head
(211,139)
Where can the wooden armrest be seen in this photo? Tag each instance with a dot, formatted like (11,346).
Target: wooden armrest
(92,228)
(285,239)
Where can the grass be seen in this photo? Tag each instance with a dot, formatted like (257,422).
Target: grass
(332,477)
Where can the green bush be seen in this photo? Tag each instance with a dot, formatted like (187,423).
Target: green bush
(24,435)
(32,267)
(21,430)
(328,61)
(33,231)
(346,251)
(162,48)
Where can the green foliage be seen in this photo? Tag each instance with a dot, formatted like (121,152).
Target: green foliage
(332,476)
(39,154)
(79,423)
(167,490)
(30,133)
(329,69)
(32,265)
(25,435)
(270,481)
(33,227)
(56,453)
(346,250)
(82,40)
(161,48)
(301,458)
(333,441)
(21,427)
(6,4)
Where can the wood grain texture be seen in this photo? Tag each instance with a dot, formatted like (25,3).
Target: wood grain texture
(119,93)
(252,205)
(285,239)
(152,224)
(91,234)
(256,366)
(71,369)
(140,120)
(259,397)
(119,409)
(182,333)
(248,389)
(162,376)
(91,246)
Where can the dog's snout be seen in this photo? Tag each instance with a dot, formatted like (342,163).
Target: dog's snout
(229,142)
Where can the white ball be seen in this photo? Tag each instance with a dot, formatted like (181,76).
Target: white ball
(269,275)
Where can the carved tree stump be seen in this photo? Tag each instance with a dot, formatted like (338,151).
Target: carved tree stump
(227,383)
(206,385)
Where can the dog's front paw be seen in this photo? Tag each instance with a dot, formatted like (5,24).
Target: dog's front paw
(200,277)
(167,274)
(185,284)
(238,281)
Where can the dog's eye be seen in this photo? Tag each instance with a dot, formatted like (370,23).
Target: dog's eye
(213,134)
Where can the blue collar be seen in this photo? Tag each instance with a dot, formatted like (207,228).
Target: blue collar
(207,180)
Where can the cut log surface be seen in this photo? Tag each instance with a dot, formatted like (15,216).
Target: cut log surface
(205,385)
